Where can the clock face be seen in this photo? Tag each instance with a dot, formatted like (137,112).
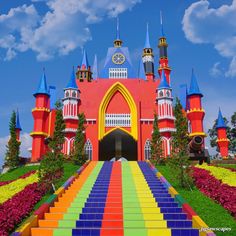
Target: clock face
(118,58)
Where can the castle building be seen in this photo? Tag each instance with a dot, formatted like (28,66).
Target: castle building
(119,103)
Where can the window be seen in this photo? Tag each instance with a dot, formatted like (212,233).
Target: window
(122,120)
(160,94)
(118,73)
(74,94)
(168,93)
(88,148)
(147,149)
(67,94)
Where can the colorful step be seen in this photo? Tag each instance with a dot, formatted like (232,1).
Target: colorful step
(117,198)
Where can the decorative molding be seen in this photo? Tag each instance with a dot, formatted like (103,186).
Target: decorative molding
(162,130)
(166,117)
(40,109)
(196,110)
(197,134)
(70,130)
(39,133)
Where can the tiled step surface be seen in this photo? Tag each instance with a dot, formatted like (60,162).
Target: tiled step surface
(116,198)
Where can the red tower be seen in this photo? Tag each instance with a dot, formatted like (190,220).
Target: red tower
(222,140)
(40,114)
(165,113)
(195,113)
(18,126)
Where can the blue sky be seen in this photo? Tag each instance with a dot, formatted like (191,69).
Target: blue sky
(51,34)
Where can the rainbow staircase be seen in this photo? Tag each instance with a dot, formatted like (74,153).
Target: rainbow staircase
(116,198)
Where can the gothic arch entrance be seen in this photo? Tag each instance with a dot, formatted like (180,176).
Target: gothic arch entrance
(118,143)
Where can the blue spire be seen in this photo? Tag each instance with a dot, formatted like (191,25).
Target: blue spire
(72,82)
(95,68)
(194,89)
(147,42)
(163,84)
(42,89)
(141,72)
(117,28)
(162,28)
(85,60)
(220,121)
(18,126)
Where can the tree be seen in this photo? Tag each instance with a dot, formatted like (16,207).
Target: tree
(78,153)
(13,147)
(232,145)
(51,166)
(156,143)
(179,161)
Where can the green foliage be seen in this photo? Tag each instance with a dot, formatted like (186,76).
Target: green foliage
(13,146)
(179,161)
(78,153)
(51,166)
(156,143)
(230,130)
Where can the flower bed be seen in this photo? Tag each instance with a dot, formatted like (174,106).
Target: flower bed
(226,176)
(2,183)
(222,193)
(18,207)
(16,186)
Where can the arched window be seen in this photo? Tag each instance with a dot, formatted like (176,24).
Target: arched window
(74,94)
(147,149)
(161,94)
(88,149)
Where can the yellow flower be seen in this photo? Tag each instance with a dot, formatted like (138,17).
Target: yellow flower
(226,176)
(9,190)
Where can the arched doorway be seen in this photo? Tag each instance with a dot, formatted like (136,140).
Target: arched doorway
(118,144)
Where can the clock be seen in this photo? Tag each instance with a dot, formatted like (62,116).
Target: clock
(118,58)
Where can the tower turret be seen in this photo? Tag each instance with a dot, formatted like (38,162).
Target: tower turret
(141,72)
(40,114)
(117,42)
(222,140)
(165,112)
(195,113)
(163,55)
(71,109)
(18,126)
(95,68)
(148,58)
(84,72)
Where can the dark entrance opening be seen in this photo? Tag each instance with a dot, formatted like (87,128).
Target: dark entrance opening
(118,144)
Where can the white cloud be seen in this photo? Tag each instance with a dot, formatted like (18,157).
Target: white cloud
(26,142)
(203,24)
(232,68)
(216,71)
(63,28)
(13,27)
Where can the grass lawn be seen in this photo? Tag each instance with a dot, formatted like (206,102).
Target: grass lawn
(228,165)
(211,212)
(16,173)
